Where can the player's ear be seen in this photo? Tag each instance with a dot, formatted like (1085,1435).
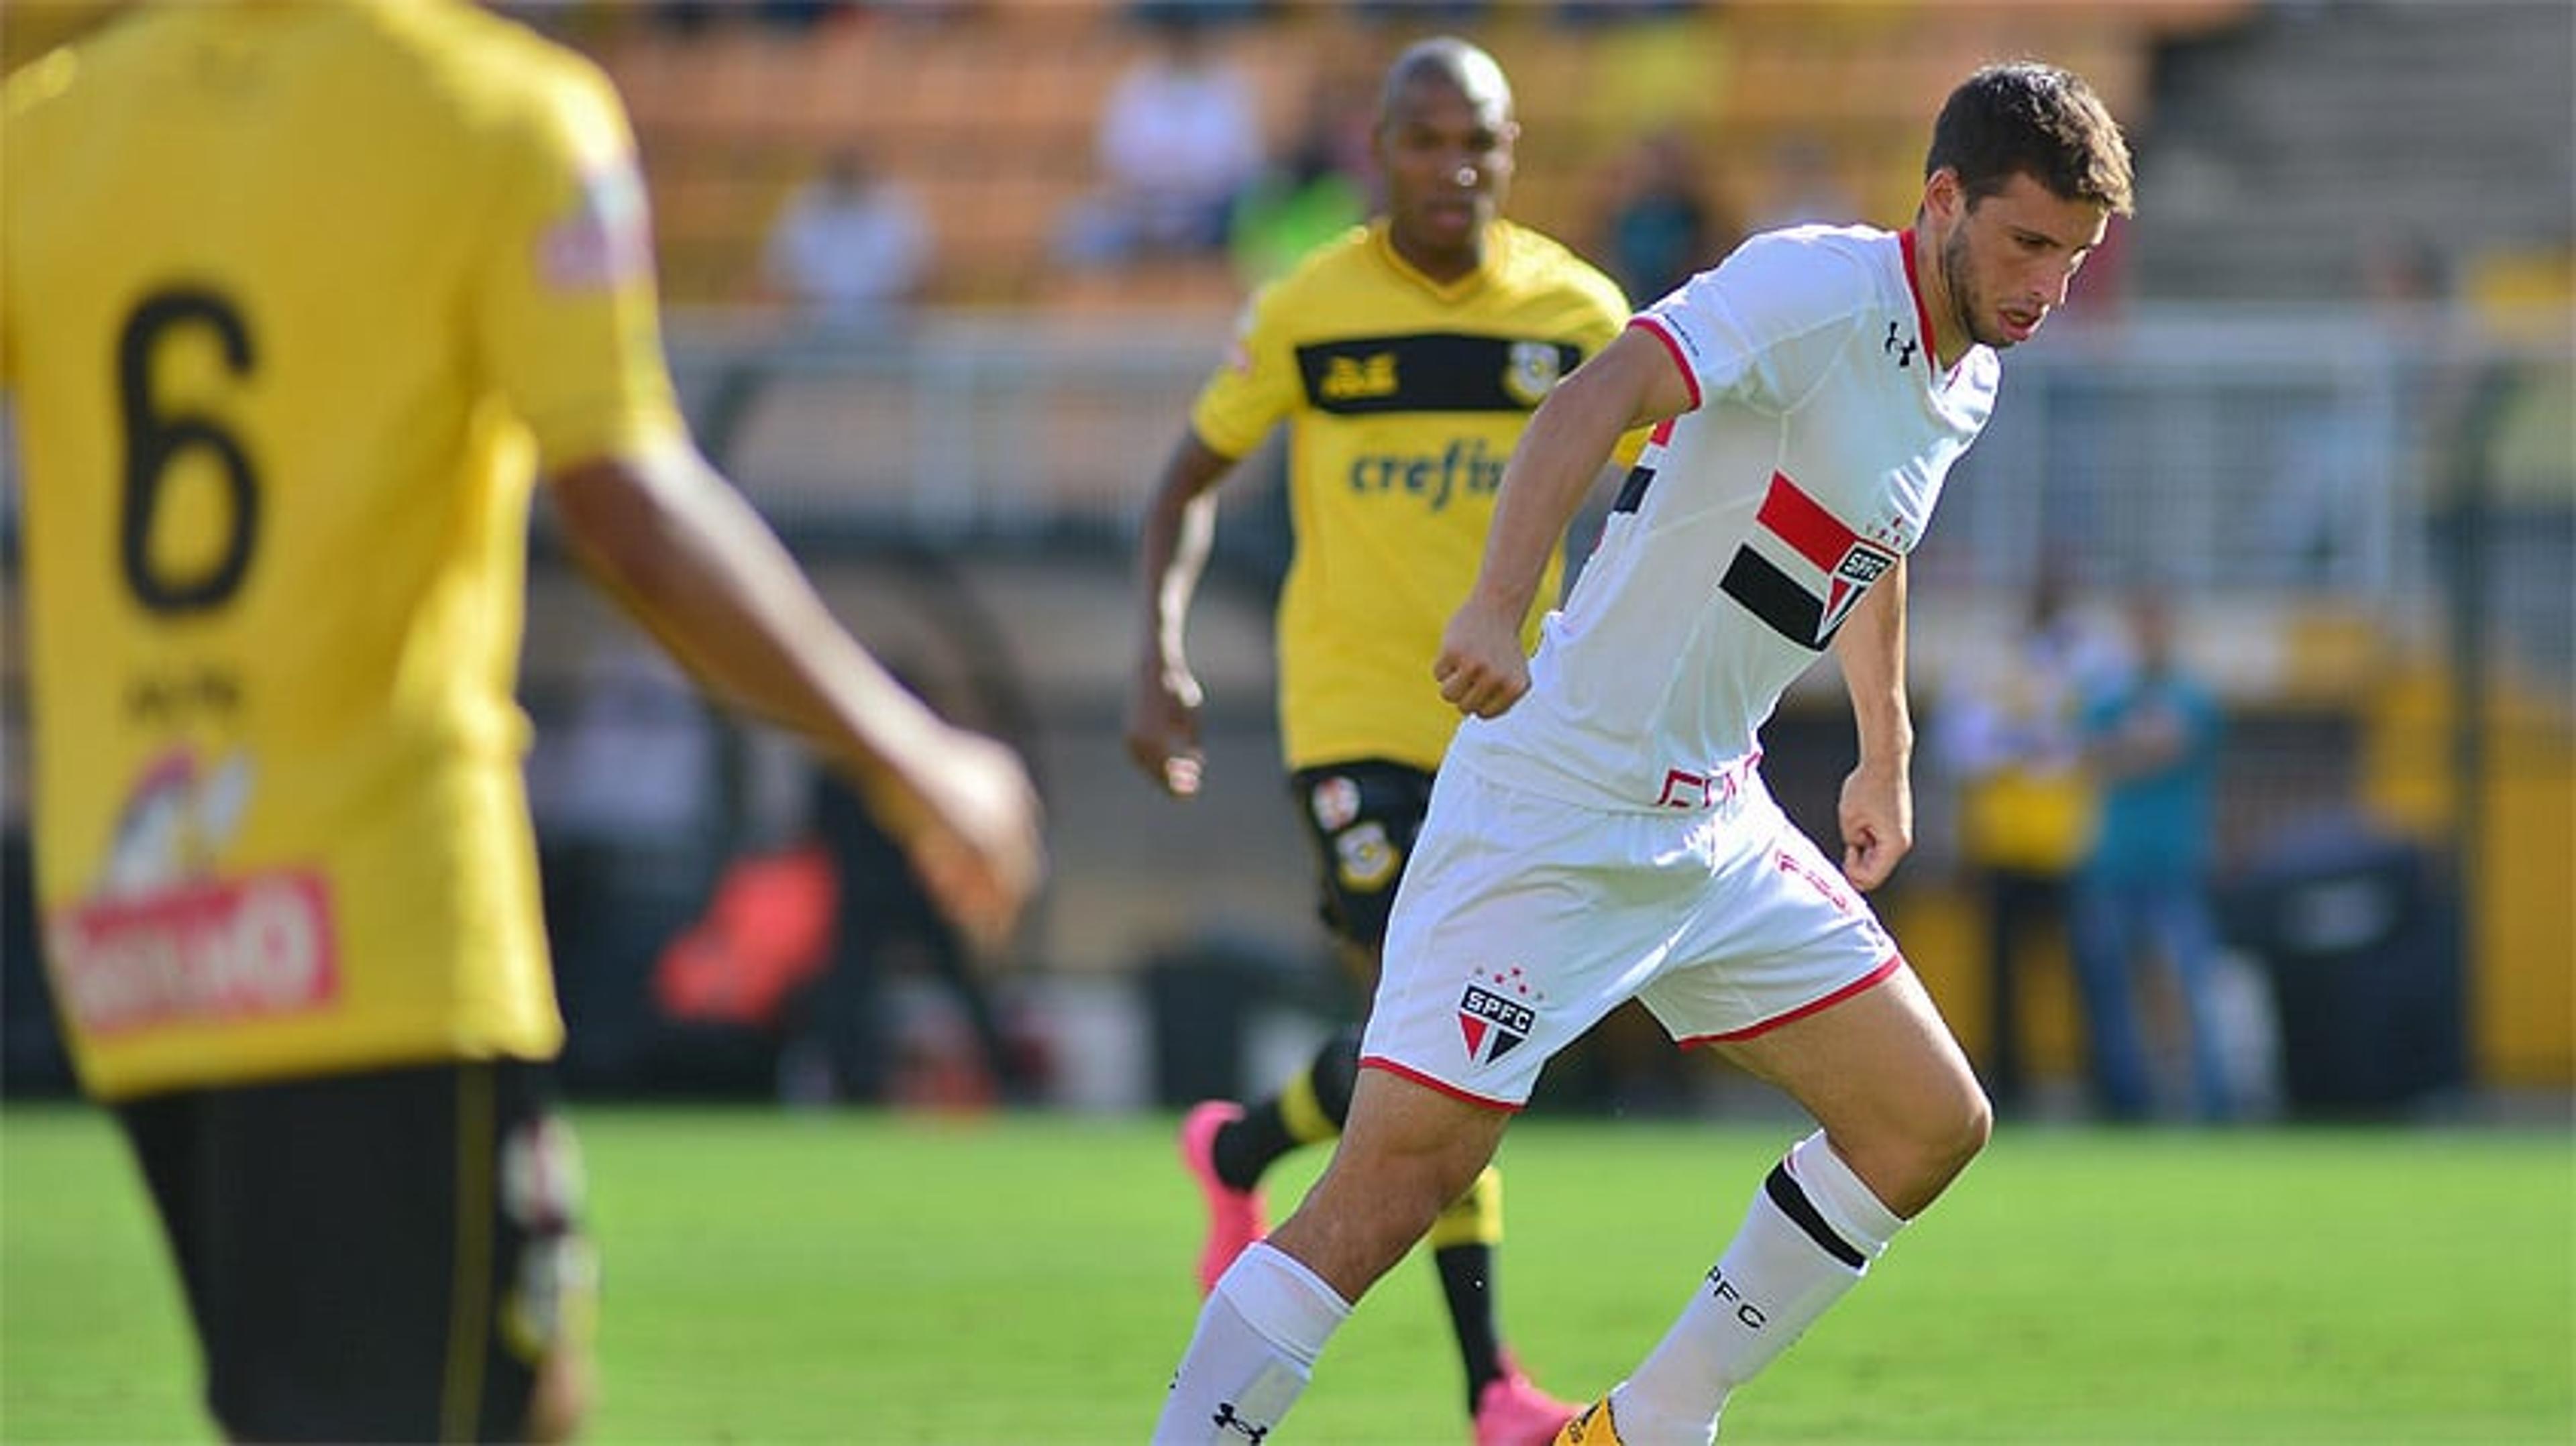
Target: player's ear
(1944,197)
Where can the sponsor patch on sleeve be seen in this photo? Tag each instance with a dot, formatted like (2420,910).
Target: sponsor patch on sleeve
(606,241)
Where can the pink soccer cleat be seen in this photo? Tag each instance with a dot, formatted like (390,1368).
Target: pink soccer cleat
(1513,1411)
(1235,1217)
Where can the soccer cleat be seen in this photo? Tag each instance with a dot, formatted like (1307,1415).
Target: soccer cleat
(1513,1411)
(1235,1217)
(1592,1428)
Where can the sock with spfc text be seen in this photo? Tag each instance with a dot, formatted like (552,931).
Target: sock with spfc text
(1809,1236)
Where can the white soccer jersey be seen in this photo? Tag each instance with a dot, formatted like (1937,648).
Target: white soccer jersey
(1820,431)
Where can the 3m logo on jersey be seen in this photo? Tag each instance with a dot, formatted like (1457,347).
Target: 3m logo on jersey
(1496,1015)
(1803,571)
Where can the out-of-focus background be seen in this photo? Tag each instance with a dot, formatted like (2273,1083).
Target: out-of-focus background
(942,279)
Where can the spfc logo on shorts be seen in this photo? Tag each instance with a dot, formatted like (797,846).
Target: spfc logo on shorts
(1492,1021)
(1530,372)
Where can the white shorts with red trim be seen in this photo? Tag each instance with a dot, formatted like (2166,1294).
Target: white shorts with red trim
(1522,920)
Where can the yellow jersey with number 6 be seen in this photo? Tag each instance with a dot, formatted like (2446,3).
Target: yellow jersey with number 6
(295,299)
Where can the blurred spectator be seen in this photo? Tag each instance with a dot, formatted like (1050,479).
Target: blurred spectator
(1319,190)
(1803,185)
(1662,229)
(852,246)
(2151,741)
(2007,734)
(1179,140)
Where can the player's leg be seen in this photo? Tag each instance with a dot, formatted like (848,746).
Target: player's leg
(1365,820)
(391,1255)
(1361,819)
(1228,1147)
(1408,1153)
(1901,1114)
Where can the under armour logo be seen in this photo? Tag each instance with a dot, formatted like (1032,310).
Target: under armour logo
(1904,354)
(1226,1418)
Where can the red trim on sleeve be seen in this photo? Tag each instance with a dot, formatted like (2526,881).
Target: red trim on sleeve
(1374,1061)
(1661,333)
(1866,982)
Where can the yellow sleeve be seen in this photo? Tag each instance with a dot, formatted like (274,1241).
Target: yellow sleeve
(1254,388)
(566,315)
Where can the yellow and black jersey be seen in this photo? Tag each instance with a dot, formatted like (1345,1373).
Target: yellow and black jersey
(1404,398)
(292,300)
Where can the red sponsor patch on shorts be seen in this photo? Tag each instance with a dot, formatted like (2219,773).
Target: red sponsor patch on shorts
(240,949)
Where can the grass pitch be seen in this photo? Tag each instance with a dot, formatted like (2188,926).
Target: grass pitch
(862,1278)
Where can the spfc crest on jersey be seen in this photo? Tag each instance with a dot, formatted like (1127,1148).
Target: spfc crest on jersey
(1496,1014)
(1530,370)
(1803,569)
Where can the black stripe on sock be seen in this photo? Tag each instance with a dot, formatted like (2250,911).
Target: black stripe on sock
(1793,1202)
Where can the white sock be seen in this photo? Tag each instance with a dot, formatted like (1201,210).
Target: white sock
(1256,1343)
(1809,1237)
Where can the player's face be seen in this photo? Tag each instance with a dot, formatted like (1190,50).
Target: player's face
(2008,258)
(1448,161)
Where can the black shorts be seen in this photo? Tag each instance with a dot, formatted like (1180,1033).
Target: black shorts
(383,1256)
(1362,818)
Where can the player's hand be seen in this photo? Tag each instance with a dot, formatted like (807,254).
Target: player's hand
(1877,817)
(1163,727)
(1481,669)
(970,824)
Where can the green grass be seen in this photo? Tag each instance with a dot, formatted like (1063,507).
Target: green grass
(860,1278)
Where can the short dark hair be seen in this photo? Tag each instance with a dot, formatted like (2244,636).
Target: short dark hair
(1460,64)
(2029,118)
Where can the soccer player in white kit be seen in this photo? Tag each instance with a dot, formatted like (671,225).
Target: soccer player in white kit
(1610,836)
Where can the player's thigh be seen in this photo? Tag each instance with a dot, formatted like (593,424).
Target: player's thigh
(1361,819)
(1881,1071)
(388,1255)
(1408,1151)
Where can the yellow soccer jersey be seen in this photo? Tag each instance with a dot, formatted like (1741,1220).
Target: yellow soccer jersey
(292,298)
(1404,399)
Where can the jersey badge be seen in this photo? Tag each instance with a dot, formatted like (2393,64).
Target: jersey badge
(1803,569)
(1335,801)
(606,240)
(1530,372)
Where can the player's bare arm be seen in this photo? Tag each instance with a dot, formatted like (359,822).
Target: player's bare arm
(1164,697)
(683,552)
(1877,808)
(1482,669)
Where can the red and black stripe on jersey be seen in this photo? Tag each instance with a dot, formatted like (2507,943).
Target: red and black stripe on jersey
(1632,490)
(1802,571)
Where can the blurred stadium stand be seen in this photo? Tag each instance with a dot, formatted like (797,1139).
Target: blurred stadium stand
(2366,493)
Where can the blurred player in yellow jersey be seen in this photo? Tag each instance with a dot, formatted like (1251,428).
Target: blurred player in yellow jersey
(295,301)
(1405,357)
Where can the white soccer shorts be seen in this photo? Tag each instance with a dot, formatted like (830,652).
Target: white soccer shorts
(1523,920)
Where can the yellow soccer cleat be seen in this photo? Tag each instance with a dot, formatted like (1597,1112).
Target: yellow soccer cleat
(1590,1428)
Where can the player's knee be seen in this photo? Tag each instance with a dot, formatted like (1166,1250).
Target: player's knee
(1949,1134)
